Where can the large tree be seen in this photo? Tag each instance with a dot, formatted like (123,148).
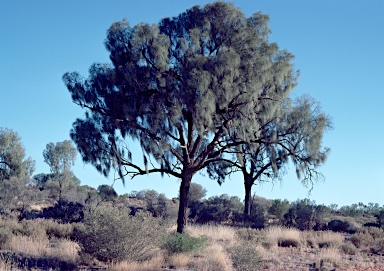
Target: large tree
(293,134)
(187,89)
(12,156)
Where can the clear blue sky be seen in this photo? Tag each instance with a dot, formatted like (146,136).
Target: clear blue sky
(338,47)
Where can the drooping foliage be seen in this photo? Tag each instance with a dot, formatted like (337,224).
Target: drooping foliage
(12,156)
(187,89)
(295,134)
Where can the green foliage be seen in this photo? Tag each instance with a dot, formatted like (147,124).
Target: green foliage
(12,156)
(15,196)
(245,257)
(196,193)
(345,225)
(110,234)
(180,243)
(106,192)
(219,208)
(195,85)
(279,208)
(156,203)
(60,156)
(288,242)
(301,215)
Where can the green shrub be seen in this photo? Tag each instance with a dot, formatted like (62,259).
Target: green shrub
(288,242)
(349,226)
(245,257)
(179,243)
(110,234)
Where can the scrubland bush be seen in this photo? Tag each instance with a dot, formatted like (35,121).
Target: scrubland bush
(219,209)
(328,259)
(279,208)
(110,234)
(175,243)
(58,230)
(349,248)
(369,239)
(345,225)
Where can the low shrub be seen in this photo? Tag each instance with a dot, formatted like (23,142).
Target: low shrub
(362,240)
(348,248)
(288,242)
(178,243)
(328,239)
(110,234)
(245,257)
(58,230)
(348,226)
(378,247)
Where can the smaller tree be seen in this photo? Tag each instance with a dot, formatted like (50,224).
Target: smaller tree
(61,157)
(279,208)
(12,156)
(196,194)
(107,193)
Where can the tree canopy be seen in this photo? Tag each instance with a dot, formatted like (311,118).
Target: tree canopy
(293,134)
(12,156)
(187,89)
(60,157)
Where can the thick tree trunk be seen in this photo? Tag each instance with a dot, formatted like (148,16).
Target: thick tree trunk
(184,189)
(248,194)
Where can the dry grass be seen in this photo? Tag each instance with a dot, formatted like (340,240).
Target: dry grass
(178,260)
(217,234)
(155,263)
(301,250)
(329,239)
(215,259)
(286,237)
(329,258)
(38,246)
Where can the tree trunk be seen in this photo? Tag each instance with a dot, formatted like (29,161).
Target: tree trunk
(184,189)
(248,193)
